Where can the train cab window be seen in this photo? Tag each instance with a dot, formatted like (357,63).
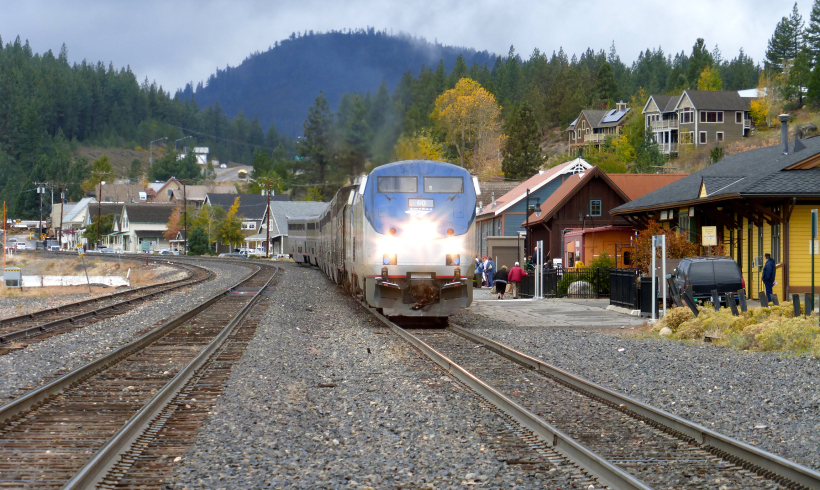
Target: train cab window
(444,185)
(398,184)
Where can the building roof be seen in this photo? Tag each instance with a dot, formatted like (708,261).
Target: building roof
(251,206)
(728,100)
(282,210)
(495,187)
(568,189)
(665,103)
(81,205)
(198,192)
(601,118)
(149,212)
(149,233)
(754,173)
(637,185)
(119,192)
(534,183)
(573,232)
(106,208)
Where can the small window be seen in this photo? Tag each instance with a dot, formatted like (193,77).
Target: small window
(687,116)
(739,117)
(627,258)
(702,138)
(711,116)
(719,137)
(444,185)
(398,184)
(595,207)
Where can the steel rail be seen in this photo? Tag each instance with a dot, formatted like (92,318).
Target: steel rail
(49,326)
(61,309)
(28,401)
(605,472)
(731,449)
(95,470)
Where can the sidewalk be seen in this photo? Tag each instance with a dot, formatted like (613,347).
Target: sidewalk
(550,313)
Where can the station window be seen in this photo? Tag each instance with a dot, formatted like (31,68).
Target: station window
(595,207)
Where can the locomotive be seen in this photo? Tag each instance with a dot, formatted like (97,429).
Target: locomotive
(400,237)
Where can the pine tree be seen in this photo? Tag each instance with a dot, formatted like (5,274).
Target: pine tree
(786,42)
(812,34)
(522,152)
(315,147)
(605,86)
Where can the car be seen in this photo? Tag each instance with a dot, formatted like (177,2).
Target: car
(223,166)
(20,246)
(105,250)
(53,248)
(703,274)
(234,255)
(168,252)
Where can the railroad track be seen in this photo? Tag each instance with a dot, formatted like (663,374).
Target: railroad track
(619,441)
(19,332)
(123,419)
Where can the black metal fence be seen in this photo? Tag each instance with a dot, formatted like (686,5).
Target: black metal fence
(570,283)
(623,287)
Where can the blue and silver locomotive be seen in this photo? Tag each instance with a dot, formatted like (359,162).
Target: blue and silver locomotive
(401,237)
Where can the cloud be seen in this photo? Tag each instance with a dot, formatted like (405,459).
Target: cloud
(173,43)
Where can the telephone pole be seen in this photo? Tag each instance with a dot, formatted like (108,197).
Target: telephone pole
(268,182)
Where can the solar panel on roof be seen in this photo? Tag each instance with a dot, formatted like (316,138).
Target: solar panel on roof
(613,116)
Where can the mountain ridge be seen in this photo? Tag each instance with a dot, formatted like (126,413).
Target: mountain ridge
(280,84)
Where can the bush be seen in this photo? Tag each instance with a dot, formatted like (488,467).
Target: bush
(674,318)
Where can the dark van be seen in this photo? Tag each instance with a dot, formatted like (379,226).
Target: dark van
(704,274)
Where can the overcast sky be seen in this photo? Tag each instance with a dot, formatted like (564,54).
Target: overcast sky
(173,42)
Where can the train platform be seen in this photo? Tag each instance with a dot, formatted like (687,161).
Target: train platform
(551,313)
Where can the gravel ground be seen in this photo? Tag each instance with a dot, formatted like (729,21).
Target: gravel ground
(768,400)
(62,353)
(326,397)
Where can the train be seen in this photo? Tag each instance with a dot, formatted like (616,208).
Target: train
(401,237)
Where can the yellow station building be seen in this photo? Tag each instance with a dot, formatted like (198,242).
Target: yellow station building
(759,200)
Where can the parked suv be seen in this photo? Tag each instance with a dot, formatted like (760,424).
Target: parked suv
(704,274)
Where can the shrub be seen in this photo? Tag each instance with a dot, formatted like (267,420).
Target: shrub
(796,334)
(674,318)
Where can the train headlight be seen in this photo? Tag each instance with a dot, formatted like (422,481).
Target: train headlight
(389,259)
(450,232)
(418,229)
(392,231)
(453,259)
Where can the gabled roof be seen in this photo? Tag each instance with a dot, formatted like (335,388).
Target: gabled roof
(533,184)
(754,173)
(198,192)
(81,205)
(251,206)
(154,213)
(665,103)
(568,189)
(637,185)
(601,118)
(105,208)
(721,100)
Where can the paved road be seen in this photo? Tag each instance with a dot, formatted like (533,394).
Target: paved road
(551,313)
(230,174)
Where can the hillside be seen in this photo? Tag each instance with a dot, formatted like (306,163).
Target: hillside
(280,84)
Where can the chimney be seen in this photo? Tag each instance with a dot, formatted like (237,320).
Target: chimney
(784,132)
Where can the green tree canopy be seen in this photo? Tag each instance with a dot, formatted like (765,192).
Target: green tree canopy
(172,165)
(522,152)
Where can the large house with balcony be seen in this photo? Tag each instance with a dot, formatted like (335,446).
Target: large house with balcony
(592,127)
(697,117)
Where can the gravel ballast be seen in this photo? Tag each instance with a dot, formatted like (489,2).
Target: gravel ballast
(768,400)
(326,397)
(27,368)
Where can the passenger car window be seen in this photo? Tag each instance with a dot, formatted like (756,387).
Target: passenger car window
(445,185)
(398,184)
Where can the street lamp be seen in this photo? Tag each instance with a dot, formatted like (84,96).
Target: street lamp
(183,138)
(151,148)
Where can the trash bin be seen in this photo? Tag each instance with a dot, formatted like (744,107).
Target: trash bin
(13,277)
(646,296)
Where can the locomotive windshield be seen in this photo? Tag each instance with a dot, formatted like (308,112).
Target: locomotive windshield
(398,184)
(444,185)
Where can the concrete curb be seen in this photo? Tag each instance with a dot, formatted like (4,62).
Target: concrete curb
(625,311)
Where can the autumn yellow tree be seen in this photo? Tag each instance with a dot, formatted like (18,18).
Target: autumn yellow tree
(420,146)
(763,106)
(710,79)
(469,116)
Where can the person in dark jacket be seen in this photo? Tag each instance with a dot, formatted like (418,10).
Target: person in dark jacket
(768,276)
(500,281)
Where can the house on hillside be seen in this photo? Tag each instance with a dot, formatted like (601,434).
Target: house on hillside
(592,127)
(195,194)
(121,193)
(759,200)
(73,218)
(110,240)
(697,117)
(501,216)
(583,202)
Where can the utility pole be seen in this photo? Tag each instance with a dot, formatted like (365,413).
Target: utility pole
(185,219)
(62,206)
(99,209)
(268,182)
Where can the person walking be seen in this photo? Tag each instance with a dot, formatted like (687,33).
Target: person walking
(479,272)
(500,281)
(489,266)
(768,276)
(515,276)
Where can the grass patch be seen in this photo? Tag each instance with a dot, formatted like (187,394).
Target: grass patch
(760,329)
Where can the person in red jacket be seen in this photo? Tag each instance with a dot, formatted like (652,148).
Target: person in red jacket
(514,277)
